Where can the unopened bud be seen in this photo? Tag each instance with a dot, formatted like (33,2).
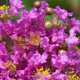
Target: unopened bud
(61,51)
(48,25)
(49,11)
(37,4)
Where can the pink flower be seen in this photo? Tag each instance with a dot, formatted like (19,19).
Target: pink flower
(73,22)
(59,36)
(62,13)
(58,75)
(38,59)
(72,41)
(60,61)
(1,11)
(16,5)
(74,25)
(44,4)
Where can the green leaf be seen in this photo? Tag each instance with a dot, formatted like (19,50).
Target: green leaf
(28,4)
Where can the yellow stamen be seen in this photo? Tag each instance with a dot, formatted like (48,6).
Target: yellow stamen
(71,72)
(78,50)
(4,7)
(42,72)
(71,75)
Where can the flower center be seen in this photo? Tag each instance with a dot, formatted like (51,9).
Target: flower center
(10,66)
(35,39)
(72,75)
(5,16)
(20,42)
(42,72)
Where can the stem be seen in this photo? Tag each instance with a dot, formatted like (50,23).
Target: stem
(16,18)
(50,59)
(51,70)
(6,2)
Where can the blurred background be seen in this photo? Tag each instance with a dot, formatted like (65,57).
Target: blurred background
(69,5)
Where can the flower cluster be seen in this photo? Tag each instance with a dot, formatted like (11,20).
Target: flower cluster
(34,48)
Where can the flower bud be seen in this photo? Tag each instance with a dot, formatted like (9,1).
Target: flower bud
(48,25)
(49,11)
(37,4)
(61,51)
(1,38)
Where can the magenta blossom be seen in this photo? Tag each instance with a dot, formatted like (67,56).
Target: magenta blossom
(1,12)
(62,13)
(16,5)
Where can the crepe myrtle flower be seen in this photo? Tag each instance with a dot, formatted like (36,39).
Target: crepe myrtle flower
(7,12)
(62,14)
(4,15)
(38,52)
(36,59)
(15,5)
(6,65)
(73,22)
(1,12)
(59,36)
(73,58)
(45,44)
(74,25)
(7,28)
(60,61)
(33,15)
(72,40)
(58,75)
